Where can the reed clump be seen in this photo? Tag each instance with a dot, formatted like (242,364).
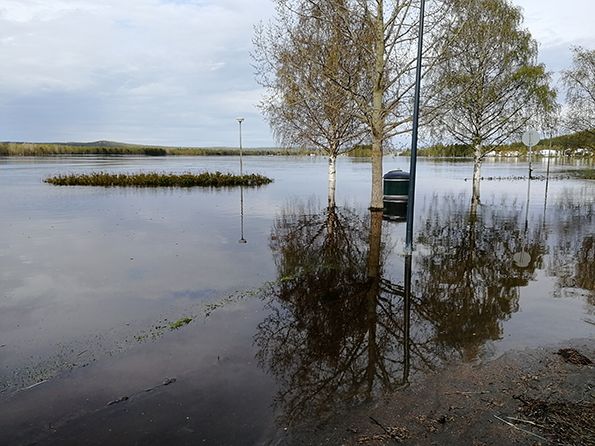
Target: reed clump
(159,179)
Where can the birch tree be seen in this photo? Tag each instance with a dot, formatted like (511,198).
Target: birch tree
(305,62)
(489,78)
(374,73)
(390,38)
(580,91)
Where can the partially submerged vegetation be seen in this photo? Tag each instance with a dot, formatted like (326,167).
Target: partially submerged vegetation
(585,174)
(159,179)
(180,323)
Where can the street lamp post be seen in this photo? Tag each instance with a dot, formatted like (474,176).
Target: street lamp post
(240,120)
(412,168)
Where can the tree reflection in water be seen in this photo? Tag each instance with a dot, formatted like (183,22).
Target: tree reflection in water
(339,330)
(572,256)
(468,279)
(334,331)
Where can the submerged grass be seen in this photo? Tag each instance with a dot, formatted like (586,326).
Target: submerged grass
(180,323)
(585,174)
(158,179)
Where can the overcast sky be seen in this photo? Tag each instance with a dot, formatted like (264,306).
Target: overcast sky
(169,72)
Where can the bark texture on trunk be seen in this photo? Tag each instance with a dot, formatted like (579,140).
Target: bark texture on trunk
(378,120)
(332,180)
(374,241)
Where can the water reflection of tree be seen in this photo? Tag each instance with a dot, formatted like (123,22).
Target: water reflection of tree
(337,329)
(572,256)
(467,278)
(585,264)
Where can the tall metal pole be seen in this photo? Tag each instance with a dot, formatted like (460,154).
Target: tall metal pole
(240,120)
(413,162)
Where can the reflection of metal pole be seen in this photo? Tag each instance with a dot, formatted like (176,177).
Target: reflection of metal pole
(522,259)
(407,320)
(527,210)
(547,174)
(413,161)
(242,239)
(240,120)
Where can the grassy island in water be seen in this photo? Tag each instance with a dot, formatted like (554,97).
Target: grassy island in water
(157,179)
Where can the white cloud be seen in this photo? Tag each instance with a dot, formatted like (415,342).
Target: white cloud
(554,23)
(167,71)
(155,71)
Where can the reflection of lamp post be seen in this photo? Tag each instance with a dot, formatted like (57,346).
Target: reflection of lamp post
(240,120)
(242,239)
(523,258)
(407,321)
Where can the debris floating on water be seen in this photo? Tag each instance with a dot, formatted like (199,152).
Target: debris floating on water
(118,401)
(573,356)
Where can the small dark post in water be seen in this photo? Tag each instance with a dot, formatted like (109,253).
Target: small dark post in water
(240,120)
(411,199)
(530,138)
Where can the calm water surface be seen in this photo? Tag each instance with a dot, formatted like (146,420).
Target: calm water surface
(308,317)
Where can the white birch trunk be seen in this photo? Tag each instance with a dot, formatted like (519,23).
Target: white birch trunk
(332,180)
(477,158)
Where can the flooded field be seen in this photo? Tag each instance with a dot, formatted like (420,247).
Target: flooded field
(137,316)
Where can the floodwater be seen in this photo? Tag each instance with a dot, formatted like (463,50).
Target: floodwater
(318,311)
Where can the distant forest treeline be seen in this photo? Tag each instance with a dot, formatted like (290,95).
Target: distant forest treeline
(113,148)
(575,144)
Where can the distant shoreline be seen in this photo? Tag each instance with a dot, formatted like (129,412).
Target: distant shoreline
(109,148)
(26,149)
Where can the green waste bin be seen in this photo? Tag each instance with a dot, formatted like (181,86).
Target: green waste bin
(396,185)
(396,194)
(395,210)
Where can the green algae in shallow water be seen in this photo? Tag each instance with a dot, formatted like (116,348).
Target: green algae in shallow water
(585,174)
(180,323)
(159,179)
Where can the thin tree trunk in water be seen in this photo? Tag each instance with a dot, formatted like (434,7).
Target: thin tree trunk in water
(476,173)
(374,244)
(378,120)
(332,180)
